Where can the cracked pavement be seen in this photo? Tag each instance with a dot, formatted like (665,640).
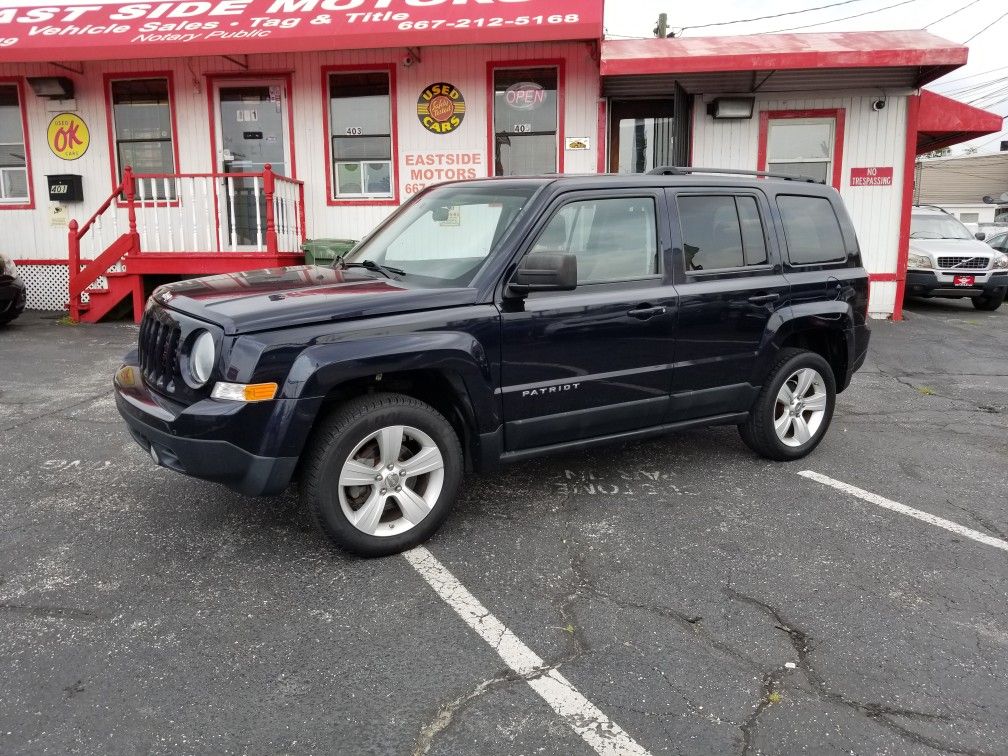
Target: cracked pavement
(705,600)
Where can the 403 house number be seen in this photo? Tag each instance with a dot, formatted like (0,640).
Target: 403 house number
(355,131)
(521,128)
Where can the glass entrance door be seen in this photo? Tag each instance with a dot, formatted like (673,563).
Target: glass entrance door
(251,132)
(642,135)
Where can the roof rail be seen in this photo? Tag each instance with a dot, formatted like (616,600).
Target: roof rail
(675,170)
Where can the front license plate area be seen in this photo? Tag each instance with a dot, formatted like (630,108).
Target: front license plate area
(965,281)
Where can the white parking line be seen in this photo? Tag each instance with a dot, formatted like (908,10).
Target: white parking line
(598,731)
(895,506)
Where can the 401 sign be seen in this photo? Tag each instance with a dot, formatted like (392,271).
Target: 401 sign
(441,108)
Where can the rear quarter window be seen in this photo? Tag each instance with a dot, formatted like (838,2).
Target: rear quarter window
(811,229)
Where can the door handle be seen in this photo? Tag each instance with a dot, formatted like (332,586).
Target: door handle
(764,298)
(646,311)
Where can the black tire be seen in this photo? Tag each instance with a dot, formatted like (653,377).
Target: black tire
(989,302)
(758,430)
(331,447)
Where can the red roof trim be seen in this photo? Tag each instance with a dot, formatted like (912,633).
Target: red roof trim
(943,121)
(112,30)
(766,52)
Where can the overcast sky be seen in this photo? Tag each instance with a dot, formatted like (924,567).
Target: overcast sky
(987,51)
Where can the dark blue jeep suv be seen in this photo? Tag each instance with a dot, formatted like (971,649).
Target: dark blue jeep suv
(495,320)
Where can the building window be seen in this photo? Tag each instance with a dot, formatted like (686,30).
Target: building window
(360,134)
(525,121)
(142,124)
(13,149)
(801,147)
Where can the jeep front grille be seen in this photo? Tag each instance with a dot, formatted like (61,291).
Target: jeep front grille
(964,263)
(159,344)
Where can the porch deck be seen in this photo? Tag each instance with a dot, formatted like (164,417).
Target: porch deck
(184,224)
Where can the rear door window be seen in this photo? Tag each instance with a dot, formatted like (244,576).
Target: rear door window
(811,229)
(721,231)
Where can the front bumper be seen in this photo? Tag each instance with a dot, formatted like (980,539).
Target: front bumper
(941,283)
(199,440)
(12,298)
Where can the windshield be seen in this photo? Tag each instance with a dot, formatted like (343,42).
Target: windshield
(442,238)
(937,227)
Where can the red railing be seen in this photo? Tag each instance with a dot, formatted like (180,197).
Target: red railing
(197,213)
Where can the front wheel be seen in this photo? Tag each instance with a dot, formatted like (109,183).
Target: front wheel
(381,474)
(794,407)
(989,302)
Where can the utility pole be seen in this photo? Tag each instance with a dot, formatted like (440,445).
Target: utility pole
(661,30)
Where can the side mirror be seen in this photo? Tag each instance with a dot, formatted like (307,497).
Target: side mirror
(544,271)
(980,235)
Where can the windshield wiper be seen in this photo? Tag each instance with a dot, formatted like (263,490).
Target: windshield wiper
(385,270)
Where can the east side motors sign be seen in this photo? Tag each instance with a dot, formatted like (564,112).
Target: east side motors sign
(101,30)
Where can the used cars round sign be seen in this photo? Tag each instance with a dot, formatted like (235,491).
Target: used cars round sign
(441,108)
(68,136)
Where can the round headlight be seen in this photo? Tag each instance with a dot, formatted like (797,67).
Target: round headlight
(202,356)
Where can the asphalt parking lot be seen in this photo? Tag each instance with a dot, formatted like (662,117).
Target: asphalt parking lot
(701,599)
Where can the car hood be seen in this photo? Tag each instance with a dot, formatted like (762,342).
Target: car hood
(945,247)
(258,300)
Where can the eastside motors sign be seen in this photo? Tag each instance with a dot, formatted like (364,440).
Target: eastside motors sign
(103,30)
(871,176)
(68,136)
(441,108)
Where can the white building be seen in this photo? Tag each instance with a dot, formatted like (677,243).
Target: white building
(959,185)
(356,105)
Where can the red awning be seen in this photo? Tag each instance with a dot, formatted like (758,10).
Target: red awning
(103,30)
(921,57)
(942,121)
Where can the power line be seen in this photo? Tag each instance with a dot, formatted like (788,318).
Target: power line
(995,93)
(971,76)
(949,15)
(845,18)
(975,91)
(986,27)
(775,15)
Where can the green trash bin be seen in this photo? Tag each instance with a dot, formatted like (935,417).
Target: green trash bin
(326,251)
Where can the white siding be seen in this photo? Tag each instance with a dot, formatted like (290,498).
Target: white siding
(871,138)
(28,233)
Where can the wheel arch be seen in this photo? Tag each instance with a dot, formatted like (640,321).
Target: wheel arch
(449,372)
(826,331)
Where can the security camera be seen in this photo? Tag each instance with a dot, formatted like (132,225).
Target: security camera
(878,105)
(408,61)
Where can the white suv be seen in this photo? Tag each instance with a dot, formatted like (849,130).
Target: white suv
(946,260)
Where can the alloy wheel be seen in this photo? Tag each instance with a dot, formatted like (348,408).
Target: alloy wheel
(391,480)
(800,407)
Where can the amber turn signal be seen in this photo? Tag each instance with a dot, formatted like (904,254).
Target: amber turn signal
(244,392)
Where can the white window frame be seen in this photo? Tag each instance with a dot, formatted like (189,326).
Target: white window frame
(363,194)
(26,198)
(814,121)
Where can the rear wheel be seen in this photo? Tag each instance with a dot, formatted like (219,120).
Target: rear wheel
(794,408)
(382,474)
(989,301)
